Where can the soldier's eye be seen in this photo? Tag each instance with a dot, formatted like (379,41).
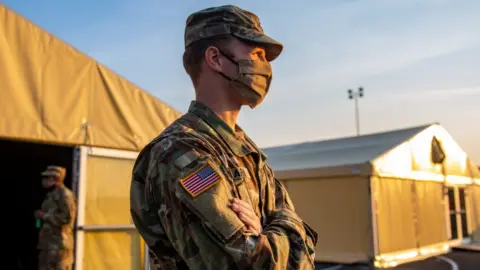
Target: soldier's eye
(259,53)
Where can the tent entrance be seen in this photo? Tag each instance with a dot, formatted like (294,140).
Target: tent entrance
(106,237)
(457,213)
(20,165)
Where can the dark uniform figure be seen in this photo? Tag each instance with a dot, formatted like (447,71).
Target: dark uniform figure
(201,187)
(56,242)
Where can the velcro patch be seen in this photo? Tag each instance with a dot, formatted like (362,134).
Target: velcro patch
(200,180)
(186,159)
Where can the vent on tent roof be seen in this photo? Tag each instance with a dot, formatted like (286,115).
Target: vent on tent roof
(438,155)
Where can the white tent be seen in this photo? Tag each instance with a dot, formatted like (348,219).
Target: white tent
(383,198)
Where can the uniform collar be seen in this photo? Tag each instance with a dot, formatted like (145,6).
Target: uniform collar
(236,140)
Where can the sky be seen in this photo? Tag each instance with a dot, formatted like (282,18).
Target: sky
(417,60)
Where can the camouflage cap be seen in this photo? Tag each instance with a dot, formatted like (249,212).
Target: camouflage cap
(230,20)
(57,171)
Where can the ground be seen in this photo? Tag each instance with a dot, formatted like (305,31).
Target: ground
(455,260)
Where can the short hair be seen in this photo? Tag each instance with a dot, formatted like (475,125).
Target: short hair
(194,54)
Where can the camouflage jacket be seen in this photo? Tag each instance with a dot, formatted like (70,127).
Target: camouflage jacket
(182,184)
(59,210)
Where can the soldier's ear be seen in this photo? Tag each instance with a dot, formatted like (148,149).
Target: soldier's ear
(212,58)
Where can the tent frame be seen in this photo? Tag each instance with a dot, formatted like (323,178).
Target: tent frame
(80,179)
(373,213)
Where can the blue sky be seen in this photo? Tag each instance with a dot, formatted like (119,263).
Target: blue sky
(418,60)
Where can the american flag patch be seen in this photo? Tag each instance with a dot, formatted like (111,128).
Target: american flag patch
(201,180)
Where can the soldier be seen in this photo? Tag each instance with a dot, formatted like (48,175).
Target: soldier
(203,195)
(58,215)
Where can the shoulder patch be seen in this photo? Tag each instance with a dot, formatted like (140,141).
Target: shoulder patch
(200,180)
(186,159)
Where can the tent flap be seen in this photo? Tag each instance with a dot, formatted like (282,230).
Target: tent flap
(410,214)
(431,228)
(395,215)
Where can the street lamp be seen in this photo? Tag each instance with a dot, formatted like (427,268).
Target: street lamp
(355,95)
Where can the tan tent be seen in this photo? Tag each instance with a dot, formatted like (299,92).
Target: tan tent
(385,198)
(59,106)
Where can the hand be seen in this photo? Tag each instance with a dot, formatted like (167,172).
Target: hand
(247,215)
(38,214)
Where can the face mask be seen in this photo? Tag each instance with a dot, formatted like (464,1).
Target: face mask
(47,183)
(252,81)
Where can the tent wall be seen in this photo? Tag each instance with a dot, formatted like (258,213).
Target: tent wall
(430,213)
(113,250)
(108,238)
(331,206)
(107,197)
(50,92)
(410,214)
(395,215)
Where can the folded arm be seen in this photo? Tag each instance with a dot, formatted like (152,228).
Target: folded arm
(283,214)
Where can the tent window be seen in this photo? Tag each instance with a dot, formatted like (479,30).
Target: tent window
(438,155)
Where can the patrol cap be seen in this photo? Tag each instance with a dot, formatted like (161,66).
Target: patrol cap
(57,171)
(230,20)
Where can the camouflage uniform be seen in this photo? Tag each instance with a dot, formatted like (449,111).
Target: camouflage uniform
(184,180)
(56,240)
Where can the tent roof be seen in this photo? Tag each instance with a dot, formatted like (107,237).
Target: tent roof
(404,153)
(53,93)
(338,152)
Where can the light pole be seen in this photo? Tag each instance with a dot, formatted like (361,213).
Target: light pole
(356,95)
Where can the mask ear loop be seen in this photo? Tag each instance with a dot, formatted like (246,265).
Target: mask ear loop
(228,57)
(231,60)
(231,80)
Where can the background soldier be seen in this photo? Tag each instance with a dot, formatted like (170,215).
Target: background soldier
(203,195)
(58,210)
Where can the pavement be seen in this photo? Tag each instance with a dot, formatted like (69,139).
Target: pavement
(455,260)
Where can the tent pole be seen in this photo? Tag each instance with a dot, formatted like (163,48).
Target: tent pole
(373,213)
(147,258)
(474,201)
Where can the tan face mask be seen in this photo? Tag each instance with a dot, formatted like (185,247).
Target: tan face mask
(48,182)
(252,81)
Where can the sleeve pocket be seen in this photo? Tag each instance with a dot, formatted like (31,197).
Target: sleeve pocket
(211,203)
